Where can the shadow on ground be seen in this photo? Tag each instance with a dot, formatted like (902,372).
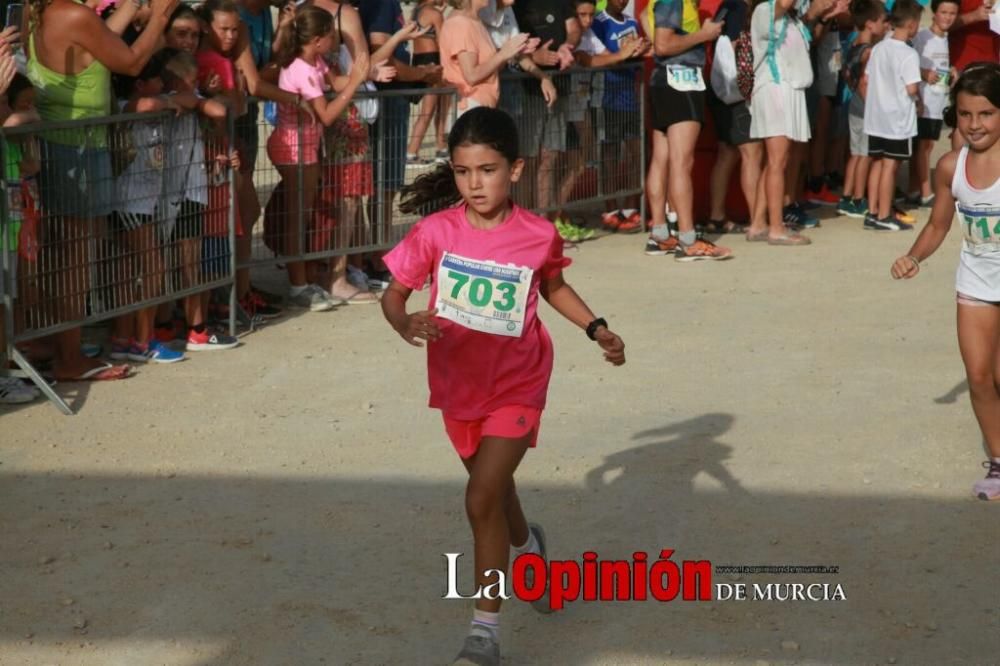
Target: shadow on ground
(286,570)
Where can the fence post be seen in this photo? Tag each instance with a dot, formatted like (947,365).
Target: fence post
(231,214)
(643,83)
(380,127)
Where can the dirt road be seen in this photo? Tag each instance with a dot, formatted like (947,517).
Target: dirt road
(289,502)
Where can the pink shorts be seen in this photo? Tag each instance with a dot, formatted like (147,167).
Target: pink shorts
(284,143)
(965,299)
(512,422)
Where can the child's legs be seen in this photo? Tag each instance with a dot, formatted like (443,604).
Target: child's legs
(682,138)
(887,185)
(631,180)
(793,171)
(874,181)
(979,342)
(751,155)
(849,171)
(819,144)
(443,118)
(656,180)
(778,150)
(145,243)
(427,106)
(298,202)
(489,495)
(920,168)
(725,160)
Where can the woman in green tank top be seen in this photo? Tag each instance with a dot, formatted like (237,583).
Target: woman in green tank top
(71,55)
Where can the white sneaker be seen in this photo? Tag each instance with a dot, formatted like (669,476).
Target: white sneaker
(311,298)
(15,392)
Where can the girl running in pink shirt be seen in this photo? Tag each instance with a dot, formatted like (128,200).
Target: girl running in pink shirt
(489,358)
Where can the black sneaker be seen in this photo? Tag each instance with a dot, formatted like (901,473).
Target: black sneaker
(871,222)
(891,224)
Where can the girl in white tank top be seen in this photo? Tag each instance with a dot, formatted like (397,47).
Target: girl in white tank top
(968,182)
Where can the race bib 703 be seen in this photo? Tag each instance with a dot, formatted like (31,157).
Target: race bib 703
(483,295)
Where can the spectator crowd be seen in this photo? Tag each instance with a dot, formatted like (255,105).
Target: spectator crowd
(819,102)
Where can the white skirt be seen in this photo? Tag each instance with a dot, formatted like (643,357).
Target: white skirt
(777,109)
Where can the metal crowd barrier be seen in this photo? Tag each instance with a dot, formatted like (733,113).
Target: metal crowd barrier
(586,150)
(102,219)
(106,218)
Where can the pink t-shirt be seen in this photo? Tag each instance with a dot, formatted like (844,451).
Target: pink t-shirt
(304,79)
(461,33)
(472,373)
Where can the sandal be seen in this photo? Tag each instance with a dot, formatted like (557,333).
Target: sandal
(720,227)
(789,240)
(759,237)
(103,372)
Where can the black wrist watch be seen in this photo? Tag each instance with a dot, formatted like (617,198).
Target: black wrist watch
(593,326)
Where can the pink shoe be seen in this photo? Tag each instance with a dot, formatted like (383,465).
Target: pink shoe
(989,488)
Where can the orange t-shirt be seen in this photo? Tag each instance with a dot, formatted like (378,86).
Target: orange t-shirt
(463,34)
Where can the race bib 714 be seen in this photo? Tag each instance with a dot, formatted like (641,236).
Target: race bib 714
(981,227)
(483,295)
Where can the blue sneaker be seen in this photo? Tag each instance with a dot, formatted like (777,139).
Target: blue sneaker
(155,352)
(120,349)
(796,218)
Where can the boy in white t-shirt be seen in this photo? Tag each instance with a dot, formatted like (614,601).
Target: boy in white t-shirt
(891,112)
(936,75)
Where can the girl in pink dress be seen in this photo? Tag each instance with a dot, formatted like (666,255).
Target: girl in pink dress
(489,358)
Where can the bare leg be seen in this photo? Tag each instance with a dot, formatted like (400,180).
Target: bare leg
(778,151)
(722,170)
(887,185)
(489,496)
(682,138)
(979,342)
(656,180)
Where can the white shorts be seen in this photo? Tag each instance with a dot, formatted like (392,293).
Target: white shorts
(859,140)
(777,109)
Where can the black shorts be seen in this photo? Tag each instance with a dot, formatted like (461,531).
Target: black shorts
(670,106)
(432,58)
(929,128)
(619,126)
(894,149)
(190,220)
(732,121)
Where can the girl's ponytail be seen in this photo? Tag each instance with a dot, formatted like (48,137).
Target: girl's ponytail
(430,192)
(310,22)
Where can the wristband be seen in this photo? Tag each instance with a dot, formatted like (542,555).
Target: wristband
(593,326)
(916,262)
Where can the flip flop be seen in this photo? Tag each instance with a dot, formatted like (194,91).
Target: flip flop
(103,372)
(759,237)
(789,240)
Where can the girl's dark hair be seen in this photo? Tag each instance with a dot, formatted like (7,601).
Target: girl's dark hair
(481,126)
(182,12)
(208,9)
(981,79)
(18,85)
(310,22)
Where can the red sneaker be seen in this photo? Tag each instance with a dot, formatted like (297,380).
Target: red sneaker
(612,220)
(822,197)
(631,223)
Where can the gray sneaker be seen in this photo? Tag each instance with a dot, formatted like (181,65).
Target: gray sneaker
(478,651)
(311,298)
(542,604)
